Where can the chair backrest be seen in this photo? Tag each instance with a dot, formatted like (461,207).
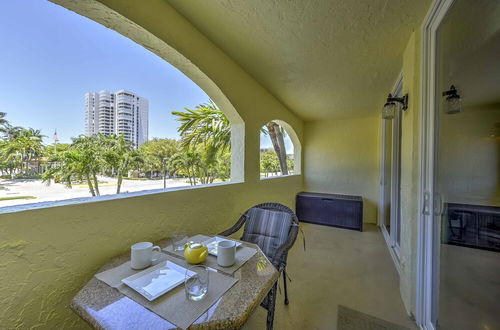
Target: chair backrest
(268,225)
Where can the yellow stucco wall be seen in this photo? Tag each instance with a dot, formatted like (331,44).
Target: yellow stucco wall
(47,255)
(469,157)
(343,157)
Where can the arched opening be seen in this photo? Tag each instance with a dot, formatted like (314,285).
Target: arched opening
(280,150)
(99,13)
(113,112)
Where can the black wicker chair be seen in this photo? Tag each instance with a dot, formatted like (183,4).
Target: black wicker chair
(279,258)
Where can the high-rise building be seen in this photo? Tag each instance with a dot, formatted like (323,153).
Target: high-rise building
(117,113)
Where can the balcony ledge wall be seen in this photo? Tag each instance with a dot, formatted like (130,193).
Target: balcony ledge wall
(47,255)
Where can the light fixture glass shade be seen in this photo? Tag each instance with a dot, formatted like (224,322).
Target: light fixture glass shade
(389,110)
(452,104)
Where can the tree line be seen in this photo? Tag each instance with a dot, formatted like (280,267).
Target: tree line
(202,154)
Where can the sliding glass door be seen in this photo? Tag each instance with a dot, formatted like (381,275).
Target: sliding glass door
(390,190)
(467,168)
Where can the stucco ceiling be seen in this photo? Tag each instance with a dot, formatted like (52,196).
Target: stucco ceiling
(321,58)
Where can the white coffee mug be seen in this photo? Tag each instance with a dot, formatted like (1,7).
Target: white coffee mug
(226,253)
(141,255)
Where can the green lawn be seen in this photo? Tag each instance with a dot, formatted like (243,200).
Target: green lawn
(16,197)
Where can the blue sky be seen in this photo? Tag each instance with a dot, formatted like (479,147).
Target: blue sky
(50,57)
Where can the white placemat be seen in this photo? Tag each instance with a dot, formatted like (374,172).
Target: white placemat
(173,305)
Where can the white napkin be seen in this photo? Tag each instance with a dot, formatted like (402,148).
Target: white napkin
(165,279)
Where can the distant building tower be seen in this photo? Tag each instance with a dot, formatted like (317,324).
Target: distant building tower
(121,113)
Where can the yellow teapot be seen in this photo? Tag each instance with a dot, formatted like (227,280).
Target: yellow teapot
(195,253)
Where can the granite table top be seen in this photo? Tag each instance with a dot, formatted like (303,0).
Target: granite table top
(104,307)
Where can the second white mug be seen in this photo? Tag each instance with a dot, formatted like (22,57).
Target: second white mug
(141,255)
(226,253)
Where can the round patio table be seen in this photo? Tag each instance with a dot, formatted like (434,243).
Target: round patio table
(104,307)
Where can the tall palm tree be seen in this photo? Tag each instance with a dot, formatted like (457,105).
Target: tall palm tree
(90,150)
(276,134)
(7,129)
(187,163)
(15,151)
(28,143)
(10,158)
(84,160)
(120,155)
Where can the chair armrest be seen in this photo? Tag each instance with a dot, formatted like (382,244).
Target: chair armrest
(278,260)
(235,227)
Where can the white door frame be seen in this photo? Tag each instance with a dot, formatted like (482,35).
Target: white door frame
(427,256)
(390,238)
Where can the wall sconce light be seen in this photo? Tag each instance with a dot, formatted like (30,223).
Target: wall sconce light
(451,103)
(390,107)
(495,132)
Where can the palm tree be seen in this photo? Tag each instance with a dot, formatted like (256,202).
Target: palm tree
(10,158)
(84,160)
(16,150)
(205,135)
(7,129)
(187,163)
(10,131)
(206,124)
(91,150)
(3,122)
(67,167)
(276,134)
(28,144)
(120,155)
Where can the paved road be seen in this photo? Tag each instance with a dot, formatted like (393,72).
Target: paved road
(57,191)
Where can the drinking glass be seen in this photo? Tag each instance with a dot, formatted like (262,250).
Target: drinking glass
(179,238)
(197,284)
